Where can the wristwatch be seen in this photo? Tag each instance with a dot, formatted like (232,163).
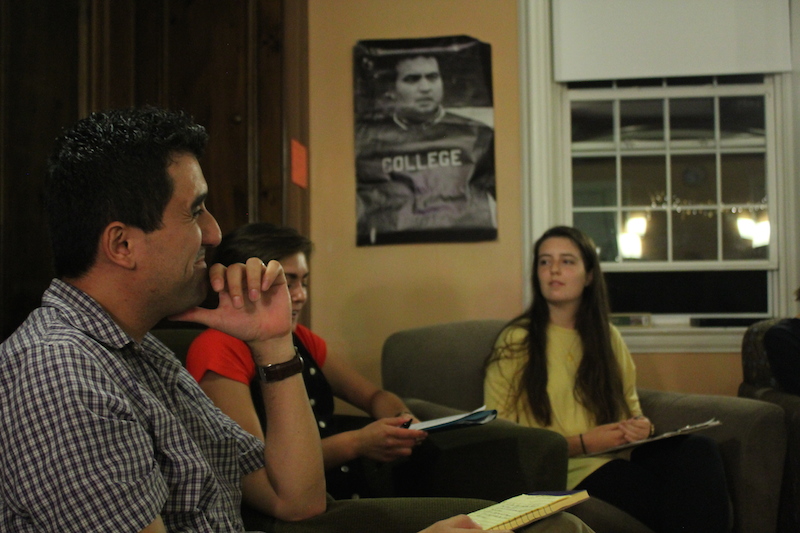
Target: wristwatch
(280,371)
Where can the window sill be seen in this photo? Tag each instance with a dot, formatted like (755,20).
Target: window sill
(682,339)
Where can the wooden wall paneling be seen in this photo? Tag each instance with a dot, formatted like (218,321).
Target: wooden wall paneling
(107,53)
(240,68)
(40,96)
(294,107)
(251,95)
(4,57)
(207,54)
(269,98)
(150,58)
(296,212)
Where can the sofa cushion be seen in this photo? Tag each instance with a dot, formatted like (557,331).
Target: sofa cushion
(452,353)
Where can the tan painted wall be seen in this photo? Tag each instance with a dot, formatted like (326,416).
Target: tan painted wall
(361,295)
(704,373)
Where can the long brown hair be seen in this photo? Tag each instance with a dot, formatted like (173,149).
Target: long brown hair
(598,384)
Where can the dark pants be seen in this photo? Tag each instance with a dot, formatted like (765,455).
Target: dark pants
(671,485)
(361,477)
(494,461)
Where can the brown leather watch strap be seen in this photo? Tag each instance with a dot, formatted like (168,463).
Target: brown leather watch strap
(280,371)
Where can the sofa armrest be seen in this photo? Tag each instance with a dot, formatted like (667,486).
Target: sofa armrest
(790,403)
(493,461)
(752,441)
(789,514)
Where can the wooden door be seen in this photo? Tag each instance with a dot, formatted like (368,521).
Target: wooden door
(223,62)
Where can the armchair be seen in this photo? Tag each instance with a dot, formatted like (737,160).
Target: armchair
(759,383)
(441,368)
(178,336)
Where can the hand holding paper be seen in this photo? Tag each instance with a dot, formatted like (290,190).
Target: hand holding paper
(691,428)
(477,417)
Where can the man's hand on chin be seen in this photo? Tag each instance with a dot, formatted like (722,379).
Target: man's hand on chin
(254,302)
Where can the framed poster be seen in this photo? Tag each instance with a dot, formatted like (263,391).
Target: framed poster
(424,127)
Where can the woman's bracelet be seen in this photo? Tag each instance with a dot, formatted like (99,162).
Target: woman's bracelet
(583,446)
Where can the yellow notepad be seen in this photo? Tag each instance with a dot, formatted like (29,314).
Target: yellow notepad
(526,508)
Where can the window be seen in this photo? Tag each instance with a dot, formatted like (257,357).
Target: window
(674,180)
(720,279)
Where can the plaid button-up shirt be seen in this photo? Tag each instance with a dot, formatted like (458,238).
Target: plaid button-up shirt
(99,433)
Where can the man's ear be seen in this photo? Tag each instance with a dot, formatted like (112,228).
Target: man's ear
(118,244)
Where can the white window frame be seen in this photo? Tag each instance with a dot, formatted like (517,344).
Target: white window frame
(547,198)
(669,150)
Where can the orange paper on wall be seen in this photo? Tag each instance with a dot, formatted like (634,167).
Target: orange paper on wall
(299,164)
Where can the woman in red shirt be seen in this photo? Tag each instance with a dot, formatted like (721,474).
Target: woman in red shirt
(223,367)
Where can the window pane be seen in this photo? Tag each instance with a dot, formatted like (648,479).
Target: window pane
(592,84)
(644,236)
(694,235)
(602,228)
(592,122)
(743,178)
(735,79)
(641,123)
(644,181)
(691,119)
(745,234)
(741,119)
(594,181)
(640,82)
(690,80)
(694,179)
(688,292)
(664,169)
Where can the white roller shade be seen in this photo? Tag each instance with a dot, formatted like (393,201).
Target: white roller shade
(620,39)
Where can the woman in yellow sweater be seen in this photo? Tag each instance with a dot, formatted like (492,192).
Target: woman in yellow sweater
(562,366)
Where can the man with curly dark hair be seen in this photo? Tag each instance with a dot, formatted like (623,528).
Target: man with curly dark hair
(102,429)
